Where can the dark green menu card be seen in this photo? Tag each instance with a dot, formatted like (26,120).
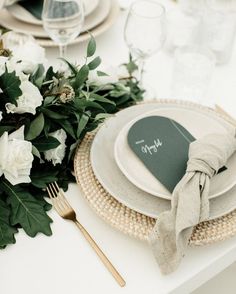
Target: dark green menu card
(162,145)
(35,7)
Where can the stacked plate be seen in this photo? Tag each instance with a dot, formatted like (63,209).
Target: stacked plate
(125,177)
(99,16)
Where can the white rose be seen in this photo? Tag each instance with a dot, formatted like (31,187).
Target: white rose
(30,54)
(28,101)
(111,78)
(56,155)
(15,157)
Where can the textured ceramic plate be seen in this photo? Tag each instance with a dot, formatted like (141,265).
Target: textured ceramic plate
(93,20)
(199,125)
(113,180)
(24,15)
(98,30)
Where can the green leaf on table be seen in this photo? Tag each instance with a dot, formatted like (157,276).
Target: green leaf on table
(102,74)
(36,127)
(38,76)
(94,63)
(73,68)
(41,180)
(35,152)
(81,76)
(67,126)
(6,129)
(44,144)
(96,97)
(53,114)
(102,116)
(6,230)
(26,211)
(131,65)
(82,124)
(91,47)
(10,85)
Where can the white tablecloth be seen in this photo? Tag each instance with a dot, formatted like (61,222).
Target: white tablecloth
(64,263)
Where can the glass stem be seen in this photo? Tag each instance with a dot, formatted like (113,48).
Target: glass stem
(63,51)
(141,70)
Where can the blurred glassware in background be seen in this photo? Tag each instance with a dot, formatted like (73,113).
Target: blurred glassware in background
(63,21)
(145,31)
(182,29)
(209,23)
(219,28)
(193,69)
(193,7)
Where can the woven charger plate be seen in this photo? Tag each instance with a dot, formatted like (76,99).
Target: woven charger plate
(129,221)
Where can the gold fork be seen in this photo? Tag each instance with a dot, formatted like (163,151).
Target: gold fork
(64,209)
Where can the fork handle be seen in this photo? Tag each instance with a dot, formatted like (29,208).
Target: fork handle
(101,255)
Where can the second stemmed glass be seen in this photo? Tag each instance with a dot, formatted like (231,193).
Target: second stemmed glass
(145,30)
(63,21)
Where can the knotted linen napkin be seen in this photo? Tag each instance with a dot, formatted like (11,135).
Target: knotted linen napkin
(189,203)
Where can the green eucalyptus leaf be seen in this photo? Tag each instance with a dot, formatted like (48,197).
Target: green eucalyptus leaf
(44,144)
(67,126)
(10,86)
(91,47)
(73,68)
(48,100)
(102,74)
(53,114)
(35,152)
(81,76)
(36,127)
(82,124)
(26,211)
(102,99)
(102,116)
(94,63)
(38,76)
(7,231)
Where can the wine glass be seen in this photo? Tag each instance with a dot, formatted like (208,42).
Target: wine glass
(145,30)
(63,21)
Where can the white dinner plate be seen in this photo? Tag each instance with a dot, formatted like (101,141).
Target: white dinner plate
(22,14)
(112,179)
(198,124)
(94,19)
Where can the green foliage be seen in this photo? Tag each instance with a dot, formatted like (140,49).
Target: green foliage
(72,104)
(10,86)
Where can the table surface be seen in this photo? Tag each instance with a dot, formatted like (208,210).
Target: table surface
(64,263)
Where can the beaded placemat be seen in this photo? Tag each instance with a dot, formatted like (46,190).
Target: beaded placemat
(129,221)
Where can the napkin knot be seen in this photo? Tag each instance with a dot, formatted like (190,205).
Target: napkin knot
(207,155)
(190,199)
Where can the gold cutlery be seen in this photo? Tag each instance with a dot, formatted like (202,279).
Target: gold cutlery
(220,110)
(64,209)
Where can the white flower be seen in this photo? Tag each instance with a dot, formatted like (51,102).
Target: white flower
(0,115)
(56,155)
(29,55)
(110,78)
(28,101)
(15,157)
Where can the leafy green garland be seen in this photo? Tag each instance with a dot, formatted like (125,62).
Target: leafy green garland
(69,103)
